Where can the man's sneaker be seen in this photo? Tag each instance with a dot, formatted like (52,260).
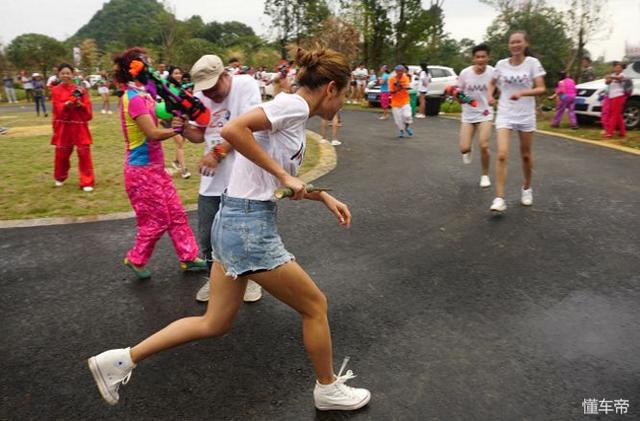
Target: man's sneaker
(140,271)
(253,292)
(176,165)
(185,174)
(103,111)
(111,369)
(58,183)
(401,135)
(466,158)
(339,396)
(382,117)
(485,181)
(323,141)
(335,142)
(498,205)
(109,112)
(202,295)
(527,197)
(88,189)
(418,115)
(194,265)
(409,131)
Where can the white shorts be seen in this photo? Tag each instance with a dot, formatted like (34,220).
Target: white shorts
(360,83)
(103,90)
(523,126)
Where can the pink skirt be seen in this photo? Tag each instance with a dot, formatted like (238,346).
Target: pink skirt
(384,100)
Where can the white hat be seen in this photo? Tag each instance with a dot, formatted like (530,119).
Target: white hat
(206,71)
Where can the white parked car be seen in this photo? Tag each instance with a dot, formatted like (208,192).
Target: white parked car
(441,77)
(589,104)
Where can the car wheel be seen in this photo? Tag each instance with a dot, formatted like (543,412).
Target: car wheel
(585,119)
(631,114)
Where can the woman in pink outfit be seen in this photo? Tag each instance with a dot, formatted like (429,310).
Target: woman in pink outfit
(566,93)
(150,189)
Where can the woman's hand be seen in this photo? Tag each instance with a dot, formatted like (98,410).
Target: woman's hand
(294,184)
(177,123)
(208,165)
(516,96)
(491,100)
(339,209)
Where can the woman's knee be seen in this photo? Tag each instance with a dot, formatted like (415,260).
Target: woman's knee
(318,305)
(212,328)
(502,157)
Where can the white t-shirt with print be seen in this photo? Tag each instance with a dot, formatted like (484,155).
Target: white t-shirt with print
(511,79)
(360,73)
(616,87)
(285,143)
(244,95)
(476,86)
(425,80)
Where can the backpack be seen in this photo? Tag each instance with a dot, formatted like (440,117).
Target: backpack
(627,86)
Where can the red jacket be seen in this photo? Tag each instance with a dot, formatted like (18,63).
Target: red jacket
(70,126)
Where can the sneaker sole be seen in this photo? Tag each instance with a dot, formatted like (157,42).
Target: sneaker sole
(251,299)
(345,408)
(498,210)
(98,378)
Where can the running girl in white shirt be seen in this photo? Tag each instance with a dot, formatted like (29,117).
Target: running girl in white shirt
(520,79)
(245,238)
(474,82)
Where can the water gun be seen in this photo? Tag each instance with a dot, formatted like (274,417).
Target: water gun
(460,96)
(177,100)
(75,96)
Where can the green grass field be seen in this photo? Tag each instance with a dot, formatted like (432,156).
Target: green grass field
(27,182)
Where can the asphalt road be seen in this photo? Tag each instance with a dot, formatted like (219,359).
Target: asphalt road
(447,312)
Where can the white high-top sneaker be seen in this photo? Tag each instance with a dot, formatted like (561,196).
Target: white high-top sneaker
(109,370)
(339,396)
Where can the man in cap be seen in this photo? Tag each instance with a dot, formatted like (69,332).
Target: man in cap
(226,96)
(400,106)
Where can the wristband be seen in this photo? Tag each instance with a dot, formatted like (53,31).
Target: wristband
(177,130)
(218,152)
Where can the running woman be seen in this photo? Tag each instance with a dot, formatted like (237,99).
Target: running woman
(227,96)
(520,79)
(246,241)
(384,91)
(399,85)
(474,82)
(150,189)
(424,79)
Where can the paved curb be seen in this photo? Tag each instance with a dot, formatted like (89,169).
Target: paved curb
(327,161)
(603,144)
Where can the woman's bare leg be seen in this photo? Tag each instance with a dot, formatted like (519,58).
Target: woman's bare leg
(290,284)
(484,136)
(179,140)
(467,130)
(501,162)
(526,140)
(225,299)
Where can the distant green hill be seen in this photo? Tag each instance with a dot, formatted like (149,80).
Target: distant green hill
(124,22)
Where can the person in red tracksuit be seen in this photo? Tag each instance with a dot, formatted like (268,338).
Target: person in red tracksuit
(71,113)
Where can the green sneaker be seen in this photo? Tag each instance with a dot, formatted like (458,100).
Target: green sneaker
(140,271)
(196,265)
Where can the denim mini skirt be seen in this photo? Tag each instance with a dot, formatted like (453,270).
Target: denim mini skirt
(244,237)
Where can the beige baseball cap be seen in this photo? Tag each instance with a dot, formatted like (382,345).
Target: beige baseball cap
(206,71)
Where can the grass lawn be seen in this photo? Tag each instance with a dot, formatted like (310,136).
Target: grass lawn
(27,182)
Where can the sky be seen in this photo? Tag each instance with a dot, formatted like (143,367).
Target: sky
(463,18)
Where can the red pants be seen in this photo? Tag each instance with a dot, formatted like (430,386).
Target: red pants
(85,166)
(158,210)
(615,116)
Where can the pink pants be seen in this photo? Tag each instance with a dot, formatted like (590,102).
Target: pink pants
(158,209)
(616,121)
(606,112)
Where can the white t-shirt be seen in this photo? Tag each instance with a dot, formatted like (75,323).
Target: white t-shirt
(476,87)
(616,87)
(244,95)
(52,80)
(511,79)
(425,80)
(285,143)
(360,74)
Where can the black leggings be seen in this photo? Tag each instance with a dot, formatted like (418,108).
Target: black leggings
(40,100)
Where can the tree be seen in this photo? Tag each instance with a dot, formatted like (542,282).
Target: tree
(587,21)
(544,25)
(89,54)
(36,51)
(338,35)
(189,51)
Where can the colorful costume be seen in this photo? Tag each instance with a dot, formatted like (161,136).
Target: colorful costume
(566,92)
(151,191)
(70,128)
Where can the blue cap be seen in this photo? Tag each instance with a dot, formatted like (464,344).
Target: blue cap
(399,67)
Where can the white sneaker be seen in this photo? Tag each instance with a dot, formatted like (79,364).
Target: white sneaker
(185,174)
(335,142)
(203,293)
(339,396)
(59,183)
(109,370)
(103,111)
(109,112)
(466,158)
(418,115)
(485,181)
(498,205)
(253,292)
(88,189)
(527,197)
(323,141)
